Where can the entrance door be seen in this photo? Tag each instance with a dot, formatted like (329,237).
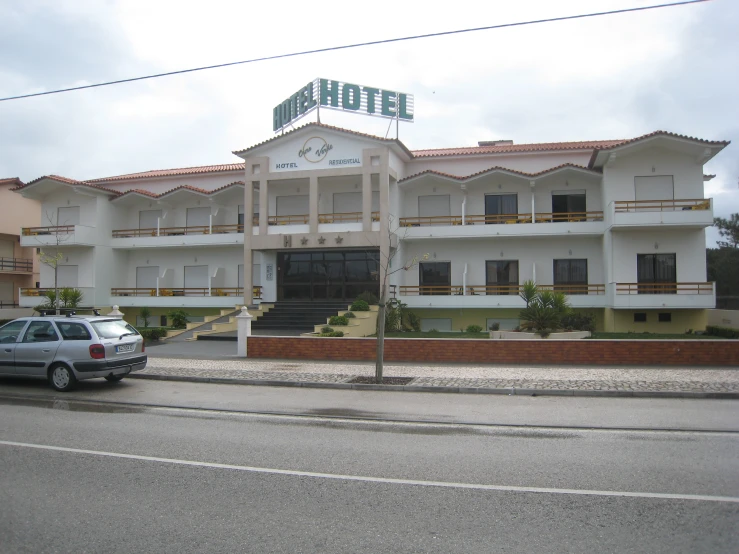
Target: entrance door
(435,278)
(331,275)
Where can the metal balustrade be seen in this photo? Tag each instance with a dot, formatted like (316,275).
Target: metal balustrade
(178,231)
(569,217)
(355,217)
(625,206)
(50,230)
(664,288)
(183,291)
(490,290)
(16,264)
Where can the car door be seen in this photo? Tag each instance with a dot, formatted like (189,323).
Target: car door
(37,349)
(8,340)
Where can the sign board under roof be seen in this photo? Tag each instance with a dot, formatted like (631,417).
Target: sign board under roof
(348,97)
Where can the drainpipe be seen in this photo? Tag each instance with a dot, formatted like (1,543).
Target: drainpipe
(158,220)
(210,224)
(157,286)
(533,212)
(464,205)
(464,275)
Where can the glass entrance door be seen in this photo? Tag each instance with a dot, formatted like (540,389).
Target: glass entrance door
(329,275)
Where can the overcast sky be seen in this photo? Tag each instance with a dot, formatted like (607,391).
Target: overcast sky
(611,77)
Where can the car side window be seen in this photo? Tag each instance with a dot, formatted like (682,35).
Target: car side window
(40,331)
(10,332)
(74,331)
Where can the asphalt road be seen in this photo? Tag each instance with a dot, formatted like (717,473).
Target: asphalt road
(80,476)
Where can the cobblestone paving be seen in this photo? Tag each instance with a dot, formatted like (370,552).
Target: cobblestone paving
(641,380)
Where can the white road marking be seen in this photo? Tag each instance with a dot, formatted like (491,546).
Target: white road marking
(384,480)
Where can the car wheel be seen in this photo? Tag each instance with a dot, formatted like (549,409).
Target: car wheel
(61,378)
(114,378)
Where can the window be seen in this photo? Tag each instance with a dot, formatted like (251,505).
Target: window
(438,324)
(10,332)
(498,205)
(434,206)
(292,205)
(571,276)
(501,277)
(40,331)
(664,317)
(198,217)
(505,323)
(149,219)
(640,317)
(69,215)
(654,187)
(656,273)
(74,331)
(435,277)
(568,202)
(112,329)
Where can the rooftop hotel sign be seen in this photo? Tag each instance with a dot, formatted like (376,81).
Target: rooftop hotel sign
(348,97)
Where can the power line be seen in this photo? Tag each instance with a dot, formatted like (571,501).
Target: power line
(358,45)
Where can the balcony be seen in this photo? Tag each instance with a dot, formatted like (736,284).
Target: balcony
(541,224)
(647,213)
(30,297)
(663,295)
(196,235)
(16,265)
(492,296)
(58,236)
(221,297)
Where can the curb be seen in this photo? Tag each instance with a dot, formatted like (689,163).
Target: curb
(512,391)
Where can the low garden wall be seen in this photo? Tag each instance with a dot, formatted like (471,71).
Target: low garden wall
(556,352)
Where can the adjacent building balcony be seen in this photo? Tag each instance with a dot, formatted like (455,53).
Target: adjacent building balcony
(175,297)
(650,213)
(31,297)
(16,265)
(541,224)
(58,236)
(492,296)
(663,295)
(196,235)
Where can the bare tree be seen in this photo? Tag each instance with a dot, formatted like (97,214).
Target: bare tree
(385,272)
(52,260)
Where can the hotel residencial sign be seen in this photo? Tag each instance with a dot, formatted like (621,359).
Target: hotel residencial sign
(348,97)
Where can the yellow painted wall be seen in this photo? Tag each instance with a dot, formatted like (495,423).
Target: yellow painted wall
(461,318)
(622,321)
(130,314)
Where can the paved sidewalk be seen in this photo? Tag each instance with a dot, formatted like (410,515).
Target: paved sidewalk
(580,381)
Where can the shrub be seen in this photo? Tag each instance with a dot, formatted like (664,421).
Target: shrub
(544,309)
(410,321)
(333,334)
(326,329)
(349,315)
(578,322)
(432,331)
(474,329)
(70,297)
(369,297)
(722,332)
(338,320)
(155,333)
(359,306)
(145,314)
(495,326)
(178,319)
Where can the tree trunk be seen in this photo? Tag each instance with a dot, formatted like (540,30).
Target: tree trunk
(380,336)
(56,288)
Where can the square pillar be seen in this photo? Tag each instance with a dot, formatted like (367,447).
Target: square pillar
(313,204)
(367,191)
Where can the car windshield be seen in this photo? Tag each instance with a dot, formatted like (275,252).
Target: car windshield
(112,328)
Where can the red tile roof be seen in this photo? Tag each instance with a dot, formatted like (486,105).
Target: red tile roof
(11,181)
(514,148)
(498,168)
(66,181)
(329,128)
(171,172)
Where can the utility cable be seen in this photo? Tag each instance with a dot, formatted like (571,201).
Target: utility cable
(358,45)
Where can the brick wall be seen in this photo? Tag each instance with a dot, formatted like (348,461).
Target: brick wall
(576,352)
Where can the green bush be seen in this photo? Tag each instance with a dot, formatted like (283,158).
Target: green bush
(474,329)
(155,333)
(338,320)
(349,315)
(333,334)
(145,314)
(326,329)
(70,297)
(724,332)
(544,309)
(369,297)
(178,319)
(578,322)
(359,306)
(410,321)
(495,326)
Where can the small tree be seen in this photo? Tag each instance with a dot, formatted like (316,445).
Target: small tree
(52,260)
(544,311)
(178,318)
(728,229)
(145,314)
(70,297)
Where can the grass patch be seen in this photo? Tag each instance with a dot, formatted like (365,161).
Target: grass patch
(636,336)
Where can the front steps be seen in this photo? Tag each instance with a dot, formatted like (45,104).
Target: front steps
(299,315)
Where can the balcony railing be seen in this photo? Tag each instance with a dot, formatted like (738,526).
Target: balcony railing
(51,230)
(430,220)
(4,304)
(190,291)
(178,231)
(500,219)
(569,217)
(16,264)
(624,206)
(35,292)
(664,288)
(490,290)
(354,217)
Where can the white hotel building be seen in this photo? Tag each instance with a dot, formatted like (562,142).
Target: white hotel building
(617,224)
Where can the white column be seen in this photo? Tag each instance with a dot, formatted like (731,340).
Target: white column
(313,204)
(243,324)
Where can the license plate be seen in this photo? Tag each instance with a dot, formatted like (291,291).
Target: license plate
(125,348)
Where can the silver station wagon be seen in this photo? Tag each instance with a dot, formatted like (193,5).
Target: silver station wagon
(65,350)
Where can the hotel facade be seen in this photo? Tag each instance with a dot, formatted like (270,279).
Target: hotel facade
(320,214)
